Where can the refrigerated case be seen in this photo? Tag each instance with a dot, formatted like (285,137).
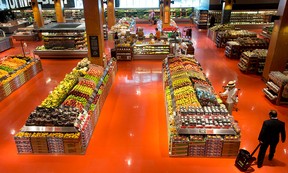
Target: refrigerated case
(63,40)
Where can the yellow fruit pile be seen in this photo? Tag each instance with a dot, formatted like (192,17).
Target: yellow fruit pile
(3,73)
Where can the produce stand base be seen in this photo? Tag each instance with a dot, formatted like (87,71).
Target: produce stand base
(50,54)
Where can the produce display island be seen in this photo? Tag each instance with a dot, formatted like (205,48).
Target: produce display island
(63,40)
(15,71)
(64,122)
(277,88)
(198,122)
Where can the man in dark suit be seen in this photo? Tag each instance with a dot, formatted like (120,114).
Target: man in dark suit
(269,136)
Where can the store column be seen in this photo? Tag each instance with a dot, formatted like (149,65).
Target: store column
(37,13)
(161,11)
(59,10)
(277,57)
(103,16)
(166,14)
(226,11)
(94,30)
(110,13)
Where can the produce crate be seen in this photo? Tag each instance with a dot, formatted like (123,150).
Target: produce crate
(230,148)
(179,146)
(197,148)
(55,143)
(39,144)
(23,143)
(72,143)
(214,146)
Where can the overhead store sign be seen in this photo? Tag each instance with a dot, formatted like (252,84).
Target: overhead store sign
(18,4)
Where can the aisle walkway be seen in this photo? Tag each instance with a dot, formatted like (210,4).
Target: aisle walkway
(131,134)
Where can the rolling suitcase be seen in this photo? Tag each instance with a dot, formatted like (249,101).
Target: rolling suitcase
(245,159)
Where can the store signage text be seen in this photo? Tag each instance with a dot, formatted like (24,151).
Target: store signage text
(16,4)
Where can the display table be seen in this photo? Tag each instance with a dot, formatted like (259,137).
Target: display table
(198,123)
(19,77)
(65,121)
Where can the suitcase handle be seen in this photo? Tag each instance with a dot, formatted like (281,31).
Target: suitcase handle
(256,149)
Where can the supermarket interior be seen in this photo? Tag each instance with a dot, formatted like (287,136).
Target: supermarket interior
(93,86)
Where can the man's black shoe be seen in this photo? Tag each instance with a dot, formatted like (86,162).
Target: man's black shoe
(259,166)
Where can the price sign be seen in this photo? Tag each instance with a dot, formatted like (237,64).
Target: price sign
(94,46)
(209,131)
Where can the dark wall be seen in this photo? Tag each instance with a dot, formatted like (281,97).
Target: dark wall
(247,4)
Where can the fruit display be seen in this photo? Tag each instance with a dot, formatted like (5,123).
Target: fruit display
(72,40)
(224,36)
(253,61)
(195,115)
(222,27)
(67,116)
(124,24)
(15,71)
(62,116)
(57,96)
(3,73)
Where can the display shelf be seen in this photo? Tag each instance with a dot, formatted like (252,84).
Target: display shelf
(193,130)
(150,51)
(229,35)
(62,139)
(277,88)
(63,40)
(201,18)
(124,52)
(235,48)
(246,17)
(253,61)
(26,34)
(19,77)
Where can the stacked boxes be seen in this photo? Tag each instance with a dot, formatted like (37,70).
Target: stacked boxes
(39,142)
(179,146)
(72,143)
(86,132)
(231,145)
(23,144)
(197,145)
(55,142)
(214,146)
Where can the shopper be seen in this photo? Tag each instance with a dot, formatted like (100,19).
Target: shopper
(152,17)
(157,34)
(212,21)
(231,93)
(269,136)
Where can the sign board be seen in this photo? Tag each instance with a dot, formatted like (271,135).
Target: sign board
(94,46)
(18,4)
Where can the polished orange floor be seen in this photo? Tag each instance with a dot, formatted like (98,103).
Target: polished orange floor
(131,133)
